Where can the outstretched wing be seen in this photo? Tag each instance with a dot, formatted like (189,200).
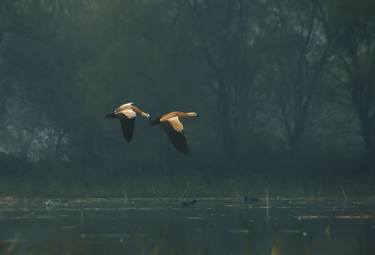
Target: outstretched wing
(176,124)
(174,129)
(127,125)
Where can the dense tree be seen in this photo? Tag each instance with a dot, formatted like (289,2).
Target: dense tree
(299,51)
(229,41)
(257,71)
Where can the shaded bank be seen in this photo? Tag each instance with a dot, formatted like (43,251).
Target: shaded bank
(48,179)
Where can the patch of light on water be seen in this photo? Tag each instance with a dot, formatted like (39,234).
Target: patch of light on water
(12,240)
(340,217)
(239,231)
(195,218)
(106,236)
(28,217)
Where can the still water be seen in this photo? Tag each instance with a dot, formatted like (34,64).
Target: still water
(273,226)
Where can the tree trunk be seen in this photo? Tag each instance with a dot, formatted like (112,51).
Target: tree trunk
(368,143)
(229,151)
(58,144)
(294,142)
(3,99)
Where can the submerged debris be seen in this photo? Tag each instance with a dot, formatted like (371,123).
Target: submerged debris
(49,204)
(250,200)
(188,203)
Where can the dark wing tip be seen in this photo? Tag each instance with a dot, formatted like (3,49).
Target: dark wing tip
(178,139)
(127,126)
(110,115)
(154,121)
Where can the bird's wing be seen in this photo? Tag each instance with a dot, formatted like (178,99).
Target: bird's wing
(177,137)
(176,124)
(127,125)
(129,113)
(124,107)
(168,116)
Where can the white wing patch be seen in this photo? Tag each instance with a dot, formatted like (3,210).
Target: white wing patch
(126,105)
(176,124)
(123,107)
(130,114)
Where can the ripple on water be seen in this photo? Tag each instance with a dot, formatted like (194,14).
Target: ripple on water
(195,218)
(340,217)
(239,231)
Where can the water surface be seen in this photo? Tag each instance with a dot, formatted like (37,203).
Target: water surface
(212,226)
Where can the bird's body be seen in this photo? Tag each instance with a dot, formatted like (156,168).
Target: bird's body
(173,127)
(126,113)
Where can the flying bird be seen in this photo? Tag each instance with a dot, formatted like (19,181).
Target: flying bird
(175,130)
(126,113)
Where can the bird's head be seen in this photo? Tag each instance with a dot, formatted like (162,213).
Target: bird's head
(192,114)
(146,115)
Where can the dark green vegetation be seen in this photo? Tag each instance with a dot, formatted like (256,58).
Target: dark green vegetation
(285,90)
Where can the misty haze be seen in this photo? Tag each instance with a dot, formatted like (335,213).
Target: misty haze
(187,127)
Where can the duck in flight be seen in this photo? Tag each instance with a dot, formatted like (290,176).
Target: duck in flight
(175,130)
(126,113)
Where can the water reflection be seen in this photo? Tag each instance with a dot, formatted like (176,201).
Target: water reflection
(212,226)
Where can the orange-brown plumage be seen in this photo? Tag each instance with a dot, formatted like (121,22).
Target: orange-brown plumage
(175,130)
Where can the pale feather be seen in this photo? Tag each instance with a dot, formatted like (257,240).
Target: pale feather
(176,124)
(130,114)
(124,107)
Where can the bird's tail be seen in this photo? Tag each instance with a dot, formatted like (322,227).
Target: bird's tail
(154,121)
(111,115)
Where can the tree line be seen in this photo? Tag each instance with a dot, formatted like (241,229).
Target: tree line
(279,84)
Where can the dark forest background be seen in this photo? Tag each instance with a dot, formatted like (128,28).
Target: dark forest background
(285,90)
